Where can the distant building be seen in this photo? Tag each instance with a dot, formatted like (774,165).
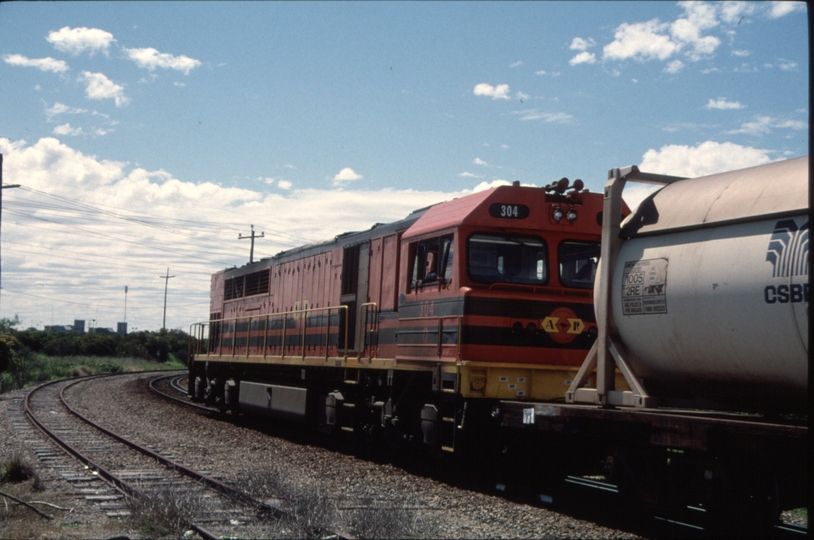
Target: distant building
(59,329)
(79,326)
(105,331)
(121,328)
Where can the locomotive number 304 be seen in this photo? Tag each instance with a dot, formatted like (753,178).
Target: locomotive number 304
(510,211)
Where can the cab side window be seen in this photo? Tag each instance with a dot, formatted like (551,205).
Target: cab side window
(432,262)
(578,264)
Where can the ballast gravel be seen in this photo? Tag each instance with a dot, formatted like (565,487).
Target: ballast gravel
(280,468)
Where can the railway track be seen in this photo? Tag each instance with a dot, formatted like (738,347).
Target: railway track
(118,473)
(572,497)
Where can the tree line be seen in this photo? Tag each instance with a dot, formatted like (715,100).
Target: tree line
(21,349)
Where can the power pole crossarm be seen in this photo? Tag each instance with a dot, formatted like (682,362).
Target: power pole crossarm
(252,237)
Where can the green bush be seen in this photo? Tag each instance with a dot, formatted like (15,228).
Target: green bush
(7,345)
(109,367)
(32,355)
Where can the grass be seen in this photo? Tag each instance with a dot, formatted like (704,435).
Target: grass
(38,368)
(312,513)
(165,511)
(17,470)
(395,520)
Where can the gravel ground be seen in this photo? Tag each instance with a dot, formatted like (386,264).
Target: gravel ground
(276,467)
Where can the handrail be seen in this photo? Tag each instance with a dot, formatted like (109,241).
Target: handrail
(439,345)
(363,322)
(298,313)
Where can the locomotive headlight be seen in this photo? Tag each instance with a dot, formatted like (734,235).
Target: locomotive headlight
(571,216)
(557,214)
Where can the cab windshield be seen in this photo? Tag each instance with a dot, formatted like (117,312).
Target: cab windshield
(507,258)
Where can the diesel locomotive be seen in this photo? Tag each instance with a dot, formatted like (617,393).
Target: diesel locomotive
(414,328)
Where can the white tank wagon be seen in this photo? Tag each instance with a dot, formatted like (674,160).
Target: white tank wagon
(706,297)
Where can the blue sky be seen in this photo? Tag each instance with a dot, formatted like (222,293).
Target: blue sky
(148,135)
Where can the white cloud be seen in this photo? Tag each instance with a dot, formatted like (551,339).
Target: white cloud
(479,161)
(534,114)
(787,65)
(741,53)
(66,129)
(149,58)
(724,104)
(762,125)
(579,44)
(541,72)
(640,41)
(654,40)
(583,58)
(80,259)
(284,184)
(43,64)
(77,40)
(60,108)
(516,64)
(483,186)
(780,9)
(699,17)
(466,174)
(346,175)
(732,12)
(709,157)
(100,87)
(674,67)
(500,91)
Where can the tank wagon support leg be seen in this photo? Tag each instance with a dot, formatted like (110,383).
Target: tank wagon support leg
(606,352)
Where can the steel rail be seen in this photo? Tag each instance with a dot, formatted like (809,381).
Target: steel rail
(119,484)
(182,401)
(169,463)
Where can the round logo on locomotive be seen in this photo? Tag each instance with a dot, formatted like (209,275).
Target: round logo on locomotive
(563,325)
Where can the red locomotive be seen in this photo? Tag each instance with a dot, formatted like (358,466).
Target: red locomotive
(407,327)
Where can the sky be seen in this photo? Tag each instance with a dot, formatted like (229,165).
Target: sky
(147,137)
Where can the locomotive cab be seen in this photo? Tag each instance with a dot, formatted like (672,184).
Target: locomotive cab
(495,290)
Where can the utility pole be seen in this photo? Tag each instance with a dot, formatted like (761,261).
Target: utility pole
(166,282)
(251,252)
(2,187)
(125,300)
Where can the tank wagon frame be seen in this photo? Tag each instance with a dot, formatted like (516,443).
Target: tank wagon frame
(690,459)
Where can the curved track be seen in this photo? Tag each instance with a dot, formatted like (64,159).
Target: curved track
(132,470)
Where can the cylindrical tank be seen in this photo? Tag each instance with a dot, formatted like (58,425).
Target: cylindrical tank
(710,292)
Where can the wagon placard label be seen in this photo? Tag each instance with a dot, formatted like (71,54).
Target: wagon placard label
(644,287)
